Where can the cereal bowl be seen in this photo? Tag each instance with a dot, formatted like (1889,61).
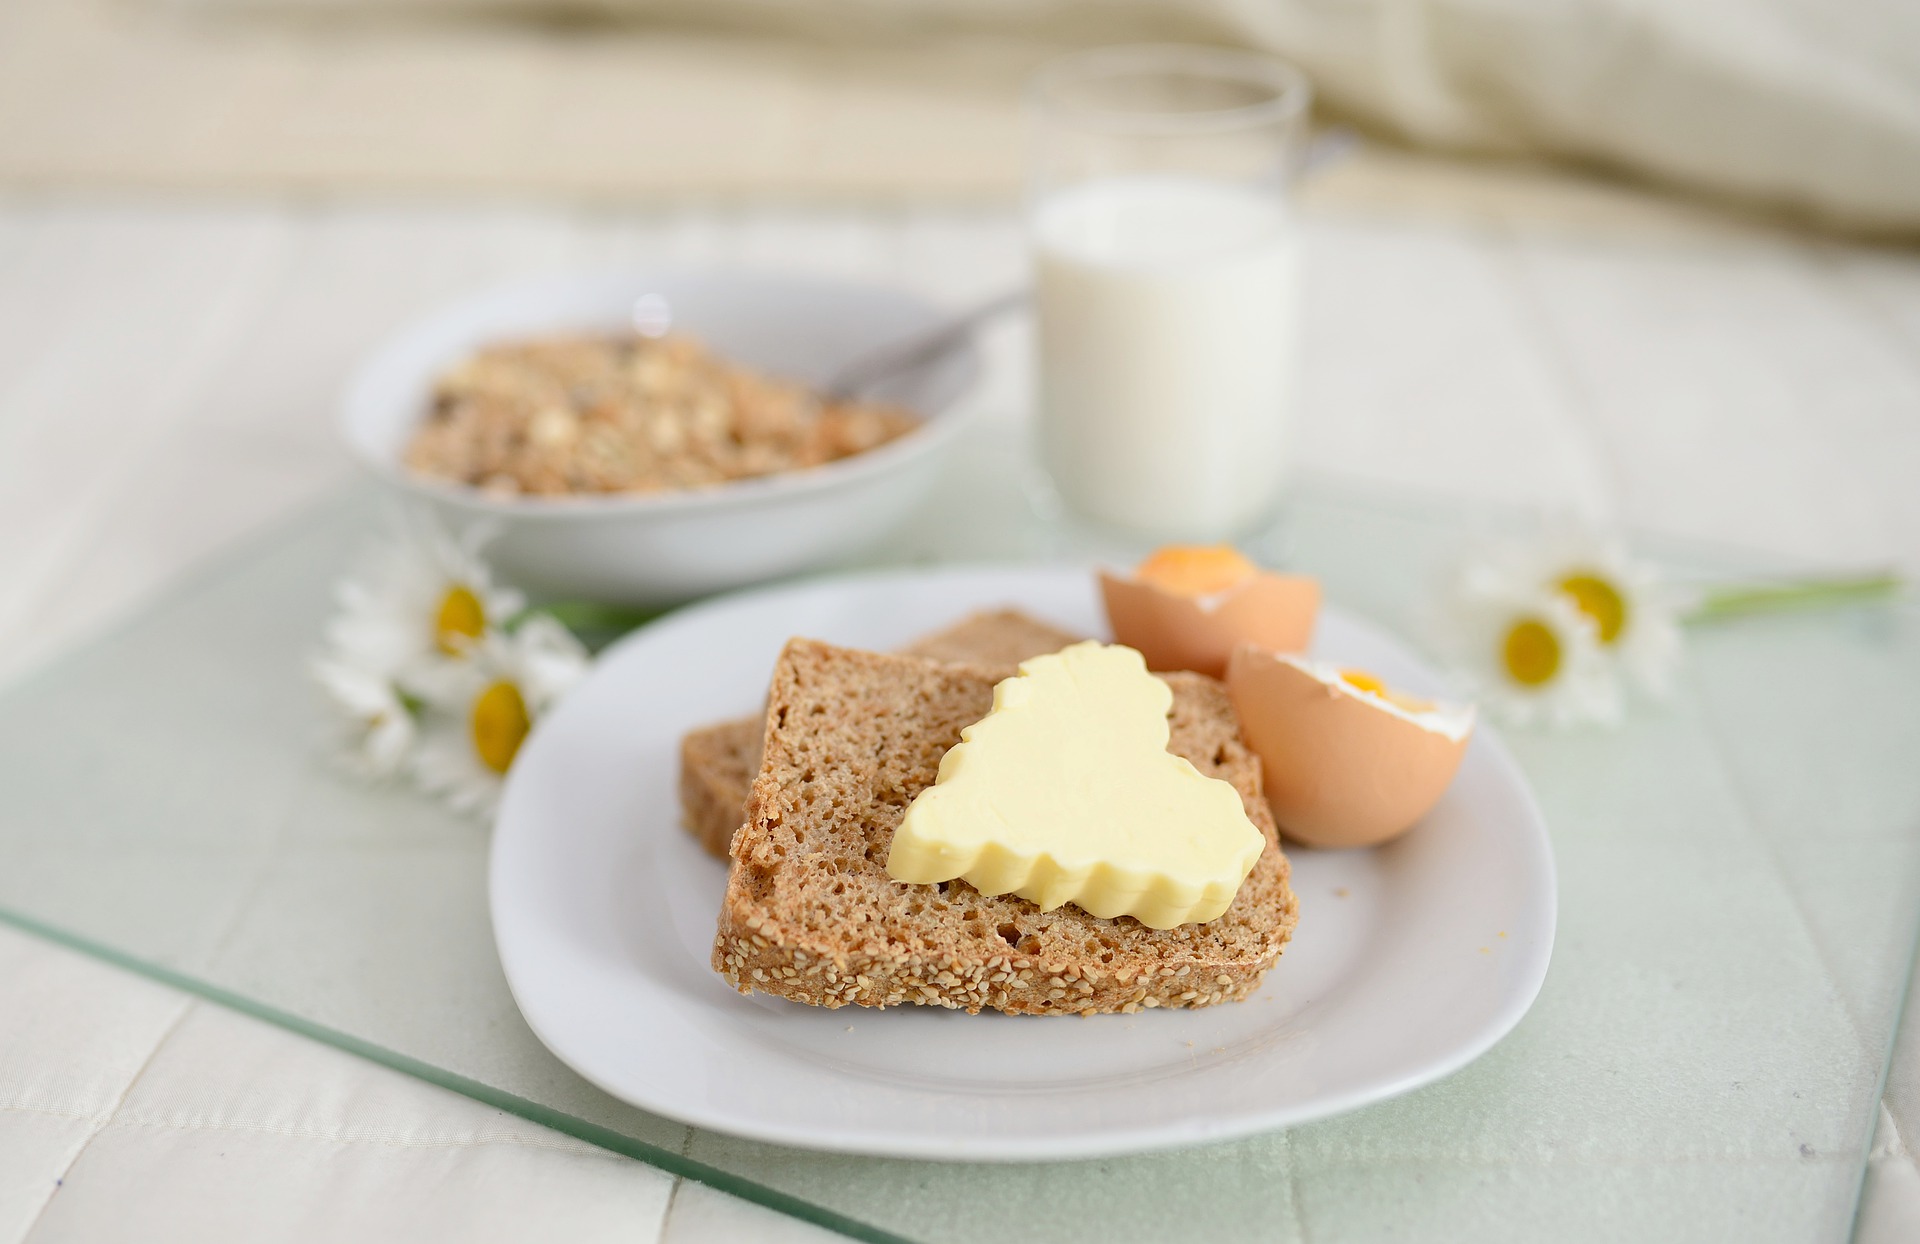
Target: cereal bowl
(661,547)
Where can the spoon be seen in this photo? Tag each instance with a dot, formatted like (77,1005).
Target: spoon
(917,350)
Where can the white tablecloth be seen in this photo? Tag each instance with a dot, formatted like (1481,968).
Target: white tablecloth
(166,378)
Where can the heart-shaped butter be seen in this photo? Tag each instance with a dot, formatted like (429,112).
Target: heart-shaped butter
(1065,793)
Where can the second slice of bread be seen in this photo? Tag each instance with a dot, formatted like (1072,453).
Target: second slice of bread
(811,913)
(717,762)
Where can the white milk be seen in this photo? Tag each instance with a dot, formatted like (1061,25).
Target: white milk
(1166,328)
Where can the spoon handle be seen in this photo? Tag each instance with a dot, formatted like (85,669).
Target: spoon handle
(919,349)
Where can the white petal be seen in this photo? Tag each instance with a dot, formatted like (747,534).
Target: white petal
(376,728)
(546,660)
(447,766)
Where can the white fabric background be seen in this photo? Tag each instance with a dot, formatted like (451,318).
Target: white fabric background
(1809,106)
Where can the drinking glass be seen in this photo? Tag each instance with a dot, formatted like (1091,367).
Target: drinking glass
(1166,273)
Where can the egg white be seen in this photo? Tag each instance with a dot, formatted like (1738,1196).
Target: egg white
(1451,721)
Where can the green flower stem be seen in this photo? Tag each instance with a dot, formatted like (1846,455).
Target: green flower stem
(594,624)
(1718,604)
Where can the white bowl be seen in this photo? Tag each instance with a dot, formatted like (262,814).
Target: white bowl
(663,547)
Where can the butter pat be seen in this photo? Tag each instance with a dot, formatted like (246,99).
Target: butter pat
(1065,793)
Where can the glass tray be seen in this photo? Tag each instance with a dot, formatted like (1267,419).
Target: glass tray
(1739,874)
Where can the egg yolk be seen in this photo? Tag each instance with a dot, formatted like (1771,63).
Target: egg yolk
(1600,601)
(1196,570)
(1361,680)
(462,618)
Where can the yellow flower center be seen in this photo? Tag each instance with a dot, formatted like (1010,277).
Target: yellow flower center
(1531,652)
(461,620)
(500,724)
(1599,600)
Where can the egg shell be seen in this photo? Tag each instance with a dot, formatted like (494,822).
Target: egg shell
(1339,771)
(1176,632)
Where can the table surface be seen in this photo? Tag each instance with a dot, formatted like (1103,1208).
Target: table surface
(166,381)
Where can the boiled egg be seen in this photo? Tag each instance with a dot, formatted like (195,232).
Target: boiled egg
(1347,760)
(1187,607)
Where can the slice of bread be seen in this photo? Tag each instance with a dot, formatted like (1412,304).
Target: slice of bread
(717,762)
(812,915)
(995,639)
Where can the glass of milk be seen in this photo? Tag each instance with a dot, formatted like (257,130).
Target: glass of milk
(1166,270)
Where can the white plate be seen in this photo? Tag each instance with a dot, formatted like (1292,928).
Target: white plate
(1409,961)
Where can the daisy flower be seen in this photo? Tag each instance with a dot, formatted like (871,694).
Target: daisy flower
(421,599)
(481,709)
(1553,628)
(378,726)
(1530,655)
(1635,616)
